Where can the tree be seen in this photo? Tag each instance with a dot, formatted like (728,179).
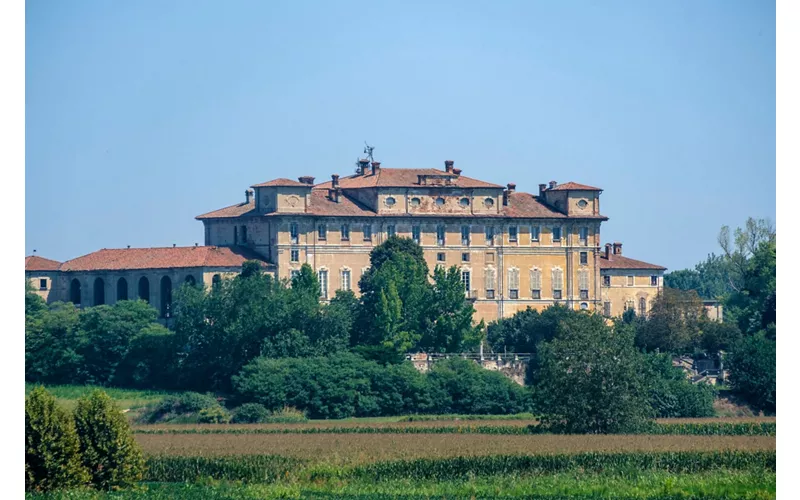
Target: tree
(451,316)
(674,322)
(107,447)
(753,371)
(744,244)
(52,449)
(753,305)
(150,361)
(53,344)
(710,278)
(590,379)
(672,395)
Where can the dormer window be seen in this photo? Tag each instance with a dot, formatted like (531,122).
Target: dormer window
(439,201)
(414,202)
(464,202)
(390,201)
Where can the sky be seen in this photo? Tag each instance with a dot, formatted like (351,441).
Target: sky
(142,115)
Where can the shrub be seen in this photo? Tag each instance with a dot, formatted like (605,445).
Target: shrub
(753,372)
(108,449)
(186,404)
(287,415)
(671,393)
(250,413)
(52,449)
(213,415)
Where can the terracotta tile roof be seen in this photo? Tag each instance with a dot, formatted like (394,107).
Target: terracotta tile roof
(36,263)
(322,205)
(231,211)
(526,205)
(404,177)
(282,182)
(574,186)
(620,262)
(161,258)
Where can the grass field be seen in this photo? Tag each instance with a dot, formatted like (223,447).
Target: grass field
(127,399)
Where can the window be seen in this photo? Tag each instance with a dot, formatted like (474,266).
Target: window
(244,235)
(489,230)
(464,202)
(367,232)
(489,256)
(583,283)
(556,234)
(630,280)
(584,306)
(43,284)
(465,279)
(345,232)
(642,307)
(653,280)
(440,257)
(235,234)
(628,304)
(440,235)
(414,202)
(535,232)
(293,273)
(607,309)
(512,233)
(294,255)
(465,257)
(293,232)
(513,283)
(536,283)
(323,283)
(490,278)
(584,258)
(488,202)
(345,279)
(440,201)
(391,230)
(415,234)
(558,283)
(465,236)
(390,201)
(583,235)
(606,280)
(322,232)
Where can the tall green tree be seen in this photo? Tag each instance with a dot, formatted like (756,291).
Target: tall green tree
(752,366)
(674,323)
(53,345)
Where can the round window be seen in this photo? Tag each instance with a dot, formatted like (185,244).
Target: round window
(464,202)
(390,201)
(414,202)
(584,305)
(583,203)
(440,201)
(488,202)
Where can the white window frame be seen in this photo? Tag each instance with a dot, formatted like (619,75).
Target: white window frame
(324,283)
(348,273)
(513,282)
(466,273)
(416,234)
(292,253)
(516,234)
(345,232)
(536,234)
(441,235)
(466,241)
(560,234)
(630,281)
(490,281)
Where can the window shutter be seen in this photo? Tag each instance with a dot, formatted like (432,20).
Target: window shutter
(490,278)
(513,279)
(536,279)
(558,278)
(583,279)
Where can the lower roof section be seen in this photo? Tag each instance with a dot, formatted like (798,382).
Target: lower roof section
(122,259)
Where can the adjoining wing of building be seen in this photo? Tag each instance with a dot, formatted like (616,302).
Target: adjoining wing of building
(514,249)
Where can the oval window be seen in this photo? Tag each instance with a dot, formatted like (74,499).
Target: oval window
(464,202)
(583,203)
(440,201)
(414,202)
(390,201)
(488,202)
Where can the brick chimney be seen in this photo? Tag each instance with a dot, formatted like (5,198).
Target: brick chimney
(335,180)
(617,248)
(510,189)
(306,179)
(553,184)
(542,188)
(448,166)
(608,251)
(457,171)
(247,194)
(363,166)
(335,193)
(376,167)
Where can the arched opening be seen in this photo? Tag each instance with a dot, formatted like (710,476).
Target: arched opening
(144,289)
(99,292)
(216,280)
(166,296)
(642,306)
(75,292)
(122,289)
(190,280)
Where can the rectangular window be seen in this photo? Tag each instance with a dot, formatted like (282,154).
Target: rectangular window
(43,284)
(583,283)
(489,230)
(415,234)
(653,280)
(440,235)
(465,236)
(584,294)
(557,234)
(490,279)
(323,283)
(367,232)
(536,294)
(557,294)
(293,232)
(536,283)
(294,255)
(440,257)
(558,283)
(583,235)
(465,257)
(535,232)
(322,232)
(513,294)
(513,283)
(345,279)
(293,273)
(391,230)
(607,309)
(465,279)
(490,257)
(512,234)
(606,280)
(584,258)
(630,280)
(345,232)
(489,294)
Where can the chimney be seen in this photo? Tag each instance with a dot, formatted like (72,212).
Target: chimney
(306,179)
(195,244)
(542,188)
(553,184)
(376,167)
(617,248)
(129,246)
(335,180)
(173,245)
(247,193)
(363,166)
(508,191)
(511,187)
(608,251)
(457,171)
(448,166)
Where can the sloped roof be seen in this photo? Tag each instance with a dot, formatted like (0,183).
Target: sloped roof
(574,186)
(232,211)
(620,262)
(36,263)
(405,177)
(118,259)
(281,182)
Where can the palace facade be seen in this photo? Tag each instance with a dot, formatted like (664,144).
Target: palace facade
(514,249)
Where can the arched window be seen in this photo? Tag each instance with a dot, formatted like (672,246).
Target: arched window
(216,280)
(122,289)
(642,306)
(99,292)
(144,289)
(166,296)
(75,292)
(190,280)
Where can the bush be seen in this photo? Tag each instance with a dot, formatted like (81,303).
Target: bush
(52,449)
(108,449)
(188,404)
(753,372)
(213,415)
(672,394)
(287,415)
(250,413)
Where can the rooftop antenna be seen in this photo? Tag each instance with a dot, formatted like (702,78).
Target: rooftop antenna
(368,151)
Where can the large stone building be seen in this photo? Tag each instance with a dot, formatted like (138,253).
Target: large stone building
(514,249)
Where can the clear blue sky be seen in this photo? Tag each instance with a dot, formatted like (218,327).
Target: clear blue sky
(141,115)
